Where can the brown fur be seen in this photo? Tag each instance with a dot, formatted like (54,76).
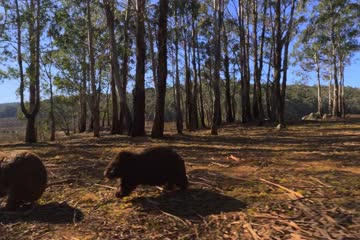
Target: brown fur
(23,178)
(154,166)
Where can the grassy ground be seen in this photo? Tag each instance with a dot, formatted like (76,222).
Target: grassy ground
(247,183)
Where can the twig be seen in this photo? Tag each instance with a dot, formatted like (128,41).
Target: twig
(206,184)
(105,186)
(251,231)
(320,182)
(176,217)
(219,164)
(232,157)
(293,195)
(69,180)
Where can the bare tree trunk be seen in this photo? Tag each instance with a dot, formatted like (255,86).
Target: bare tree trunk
(52,115)
(34,68)
(158,125)
(82,100)
(335,110)
(342,90)
(202,113)
(138,128)
(229,110)
(286,40)
(258,111)
(125,114)
(195,117)
(94,95)
(152,55)
(277,63)
(188,88)
(218,6)
(115,74)
(245,85)
(319,98)
(179,116)
(330,97)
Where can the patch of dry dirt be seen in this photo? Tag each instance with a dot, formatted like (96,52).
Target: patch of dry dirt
(247,183)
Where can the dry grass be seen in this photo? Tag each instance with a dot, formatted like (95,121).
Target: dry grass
(316,164)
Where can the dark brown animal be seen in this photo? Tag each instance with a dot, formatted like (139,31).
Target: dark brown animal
(154,166)
(23,178)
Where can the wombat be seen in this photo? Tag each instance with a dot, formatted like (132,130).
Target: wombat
(154,166)
(23,178)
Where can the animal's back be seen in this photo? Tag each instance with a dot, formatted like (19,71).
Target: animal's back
(156,165)
(26,175)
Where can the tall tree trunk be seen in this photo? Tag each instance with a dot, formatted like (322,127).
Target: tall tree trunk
(94,92)
(319,98)
(342,89)
(179,116)
(109,7)
(335,110)
(188,88)
(245,90)
(34,68)
(158,125)
(195,117)
(51,113)
(125,114)
(152,54)
(330,102)
(202,112)
(258,111)
(229,110)
(286,43)
(277,62)
(216,83)
(82,99)
(138,128)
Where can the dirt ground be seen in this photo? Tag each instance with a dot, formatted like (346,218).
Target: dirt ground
(248,182)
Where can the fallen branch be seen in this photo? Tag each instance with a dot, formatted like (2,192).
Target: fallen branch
(293,195)
(320,182)
(232,157)
(219,164)
(60,182)
(251,231)
(175,217)
(105,186)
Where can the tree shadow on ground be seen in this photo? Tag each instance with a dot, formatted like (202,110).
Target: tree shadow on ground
(190,204)
(52,213)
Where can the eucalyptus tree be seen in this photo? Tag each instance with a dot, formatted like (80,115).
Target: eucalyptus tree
(29,16)
(218,14)
(283,33)
(95,113)
(258,54)
(158,124)
(308,52)
(138,128)
(337,26)
(244,59)
(109,7)
(69,36)
(179,114)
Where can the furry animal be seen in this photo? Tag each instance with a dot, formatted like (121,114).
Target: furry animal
(154,166)
(23,178)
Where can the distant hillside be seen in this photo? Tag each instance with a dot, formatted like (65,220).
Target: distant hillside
(8,110)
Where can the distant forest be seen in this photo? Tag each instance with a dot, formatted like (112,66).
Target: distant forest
(301,100)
